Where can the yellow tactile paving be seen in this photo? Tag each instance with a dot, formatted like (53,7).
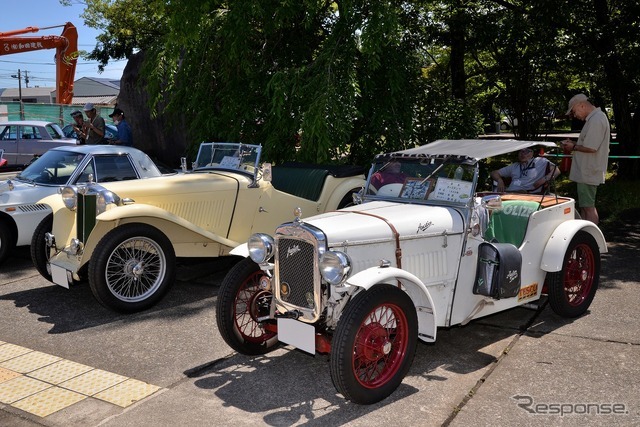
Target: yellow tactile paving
(29,362)
(127,393)
(60,371)
(49,401)
(42,384)
(6,375)
(19,388)
(9,351)
(93,382)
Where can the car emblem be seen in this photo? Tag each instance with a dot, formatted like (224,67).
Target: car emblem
(293,250)
(284,290)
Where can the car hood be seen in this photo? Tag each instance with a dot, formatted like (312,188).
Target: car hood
(375,221)
(23,193)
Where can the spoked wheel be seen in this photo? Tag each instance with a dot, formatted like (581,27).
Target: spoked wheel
(132,268)
(242,310)
(374,344)
(572,289)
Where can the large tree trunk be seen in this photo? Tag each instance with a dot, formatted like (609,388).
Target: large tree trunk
(160,138)
(457,29)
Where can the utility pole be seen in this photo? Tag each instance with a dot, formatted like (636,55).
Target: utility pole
(19,77)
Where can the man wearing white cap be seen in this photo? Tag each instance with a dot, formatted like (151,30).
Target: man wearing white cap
(590,153)
(94,127)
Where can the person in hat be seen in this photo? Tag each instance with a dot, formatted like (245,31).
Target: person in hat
(94,126)
(528,175)
(78,126)
(124,130)
(590,153)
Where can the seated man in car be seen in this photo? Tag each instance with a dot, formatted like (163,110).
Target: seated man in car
(528,175)
(388,174)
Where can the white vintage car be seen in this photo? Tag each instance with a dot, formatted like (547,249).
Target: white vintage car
(125,239)
(423,251)
(20,211)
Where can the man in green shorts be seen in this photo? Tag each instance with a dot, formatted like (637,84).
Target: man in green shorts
(590,153)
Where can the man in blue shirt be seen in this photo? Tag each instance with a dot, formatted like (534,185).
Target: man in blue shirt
(124,130)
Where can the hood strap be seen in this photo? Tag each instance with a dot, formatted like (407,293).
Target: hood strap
(396,235)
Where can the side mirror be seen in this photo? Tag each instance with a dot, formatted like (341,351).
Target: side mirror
(357,196)
(267,174)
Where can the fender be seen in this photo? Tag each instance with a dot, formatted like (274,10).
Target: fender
(142,210)
(242,250)
(554,251)
(413,286)
(344,187)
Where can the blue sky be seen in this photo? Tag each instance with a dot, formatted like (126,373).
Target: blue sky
(18,14)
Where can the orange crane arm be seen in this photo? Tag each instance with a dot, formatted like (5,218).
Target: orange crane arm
(66,46)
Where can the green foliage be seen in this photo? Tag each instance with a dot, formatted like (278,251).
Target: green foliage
(341,81)
(127,25)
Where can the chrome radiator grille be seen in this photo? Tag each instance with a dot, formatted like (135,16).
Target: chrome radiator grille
(297,270)
(297,274)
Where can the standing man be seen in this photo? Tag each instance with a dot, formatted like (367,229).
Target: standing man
(94,127)
(78,126)
(124,130)
(590,153)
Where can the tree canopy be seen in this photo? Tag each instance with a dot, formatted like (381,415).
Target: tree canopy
(340,81)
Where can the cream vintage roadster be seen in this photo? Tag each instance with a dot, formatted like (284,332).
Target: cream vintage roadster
(125,240)
(422,252)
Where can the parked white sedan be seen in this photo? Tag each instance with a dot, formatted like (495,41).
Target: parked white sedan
(19,211)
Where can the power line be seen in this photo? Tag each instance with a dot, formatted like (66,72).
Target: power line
(53,63)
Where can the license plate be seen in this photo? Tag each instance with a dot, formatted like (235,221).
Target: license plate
(59,276)
(298,334)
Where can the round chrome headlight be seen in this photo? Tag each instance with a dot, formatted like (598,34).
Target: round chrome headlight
(335,266)
(104,199)
(261,247)
(70,197)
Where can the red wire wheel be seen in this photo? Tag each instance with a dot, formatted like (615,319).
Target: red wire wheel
(374,344)
(241,308)
(572,289)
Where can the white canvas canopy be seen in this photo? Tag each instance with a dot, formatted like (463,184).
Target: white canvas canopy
(474,148)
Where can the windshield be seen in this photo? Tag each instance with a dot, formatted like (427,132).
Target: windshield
(55,131)
(439,178)
(228,156)
(53,167)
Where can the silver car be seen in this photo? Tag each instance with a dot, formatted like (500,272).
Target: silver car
(20,212)
(23,140)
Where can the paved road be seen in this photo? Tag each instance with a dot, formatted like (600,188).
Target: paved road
(468,377)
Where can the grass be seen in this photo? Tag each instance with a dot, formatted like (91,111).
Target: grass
(615,197)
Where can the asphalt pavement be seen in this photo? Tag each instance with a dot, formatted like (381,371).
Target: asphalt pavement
(525,367)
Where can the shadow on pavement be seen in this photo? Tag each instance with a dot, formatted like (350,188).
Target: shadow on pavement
(292,386)
(73,309)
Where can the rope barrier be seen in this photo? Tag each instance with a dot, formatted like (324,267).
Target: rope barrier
(611,157)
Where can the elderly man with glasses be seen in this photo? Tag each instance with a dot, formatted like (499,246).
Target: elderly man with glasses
(528,175)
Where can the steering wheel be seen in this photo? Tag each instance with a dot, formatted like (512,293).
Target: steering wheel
(48,174)
(390,190)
